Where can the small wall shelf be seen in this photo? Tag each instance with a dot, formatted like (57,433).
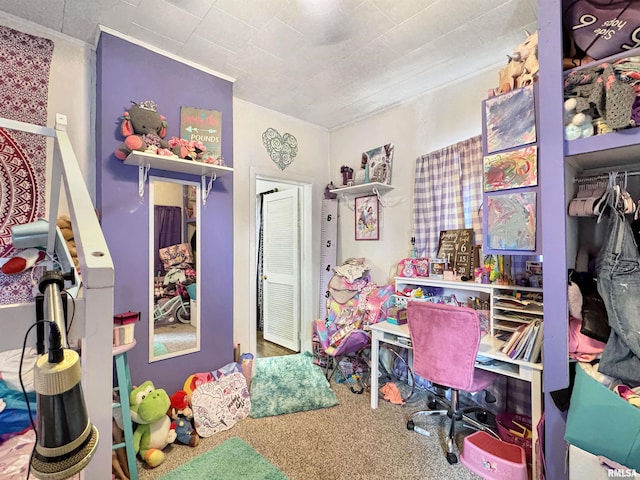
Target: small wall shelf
(145,161)
(371,188)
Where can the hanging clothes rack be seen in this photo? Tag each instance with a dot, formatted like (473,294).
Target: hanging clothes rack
(595,191)
(604,176)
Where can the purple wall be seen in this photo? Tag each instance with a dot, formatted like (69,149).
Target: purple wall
(128,72)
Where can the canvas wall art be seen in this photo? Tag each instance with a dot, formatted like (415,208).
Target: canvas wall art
(511,221)
(512,169)
(379,160)
(367,225)
(510,120)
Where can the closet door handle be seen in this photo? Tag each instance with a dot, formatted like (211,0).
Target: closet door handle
(264,277)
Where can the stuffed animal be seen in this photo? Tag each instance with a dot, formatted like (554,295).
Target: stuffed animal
(155,430)
(522,67)
(144,129)
(64,224)
(185,432)
(182,415)
(576,124)
(180,406)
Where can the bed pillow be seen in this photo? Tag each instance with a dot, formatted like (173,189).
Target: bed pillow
(220,404)
(10,365)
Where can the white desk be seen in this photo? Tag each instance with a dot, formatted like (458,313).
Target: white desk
(489,347)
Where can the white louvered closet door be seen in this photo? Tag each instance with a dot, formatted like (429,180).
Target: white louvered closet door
(281,260)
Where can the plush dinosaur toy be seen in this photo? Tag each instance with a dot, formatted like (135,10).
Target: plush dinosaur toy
(155,430)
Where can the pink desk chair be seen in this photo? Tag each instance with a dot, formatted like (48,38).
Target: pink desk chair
(445,341)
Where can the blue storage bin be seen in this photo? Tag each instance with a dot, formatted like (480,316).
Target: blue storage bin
(602,423)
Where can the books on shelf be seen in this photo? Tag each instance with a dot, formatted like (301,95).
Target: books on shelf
(518,303)
(525,343)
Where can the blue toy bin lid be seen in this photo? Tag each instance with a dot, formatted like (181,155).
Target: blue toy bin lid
(191,290)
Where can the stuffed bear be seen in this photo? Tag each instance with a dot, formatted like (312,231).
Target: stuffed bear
(155,430)
(144,129)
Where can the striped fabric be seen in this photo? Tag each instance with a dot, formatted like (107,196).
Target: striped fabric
(470,151)
(447,193)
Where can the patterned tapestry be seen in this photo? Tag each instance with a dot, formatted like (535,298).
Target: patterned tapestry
(25,61)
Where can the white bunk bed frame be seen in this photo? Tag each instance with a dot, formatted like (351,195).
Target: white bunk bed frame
(93,318)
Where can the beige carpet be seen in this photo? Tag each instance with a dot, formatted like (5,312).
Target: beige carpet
(176,337)
(346,442)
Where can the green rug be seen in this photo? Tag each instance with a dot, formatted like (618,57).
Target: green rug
(231,460)
(288,384)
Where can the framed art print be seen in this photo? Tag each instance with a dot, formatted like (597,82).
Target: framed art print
(367,225)
(379,161)
(511,221)
(510,120)
(512,169)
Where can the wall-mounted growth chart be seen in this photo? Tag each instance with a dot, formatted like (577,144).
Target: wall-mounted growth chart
(328,250)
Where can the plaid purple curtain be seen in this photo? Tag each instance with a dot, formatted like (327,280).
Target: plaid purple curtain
(447,193)
(470,151)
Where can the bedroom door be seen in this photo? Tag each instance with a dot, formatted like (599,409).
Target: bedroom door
(281,276)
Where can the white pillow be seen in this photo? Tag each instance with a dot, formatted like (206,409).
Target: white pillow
(10,366)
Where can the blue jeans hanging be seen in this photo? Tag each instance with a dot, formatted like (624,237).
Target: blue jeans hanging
(618,270)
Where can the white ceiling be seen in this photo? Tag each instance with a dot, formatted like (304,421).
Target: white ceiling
(329,62)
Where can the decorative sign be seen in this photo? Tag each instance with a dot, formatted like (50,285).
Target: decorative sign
(455,246)
(281,148)
(197,124)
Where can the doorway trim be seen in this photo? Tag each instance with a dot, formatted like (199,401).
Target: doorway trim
(307,298)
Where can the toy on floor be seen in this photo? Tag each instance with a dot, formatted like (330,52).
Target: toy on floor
(180,406)
(155,430)
(185,433)
(181,413)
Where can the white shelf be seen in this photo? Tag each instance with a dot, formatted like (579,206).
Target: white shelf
(146,161)
(371,187)
(179,165)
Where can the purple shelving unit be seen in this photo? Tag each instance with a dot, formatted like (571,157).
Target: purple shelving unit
(556,157)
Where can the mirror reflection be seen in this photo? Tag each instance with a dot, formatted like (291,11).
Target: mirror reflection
(174,325)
